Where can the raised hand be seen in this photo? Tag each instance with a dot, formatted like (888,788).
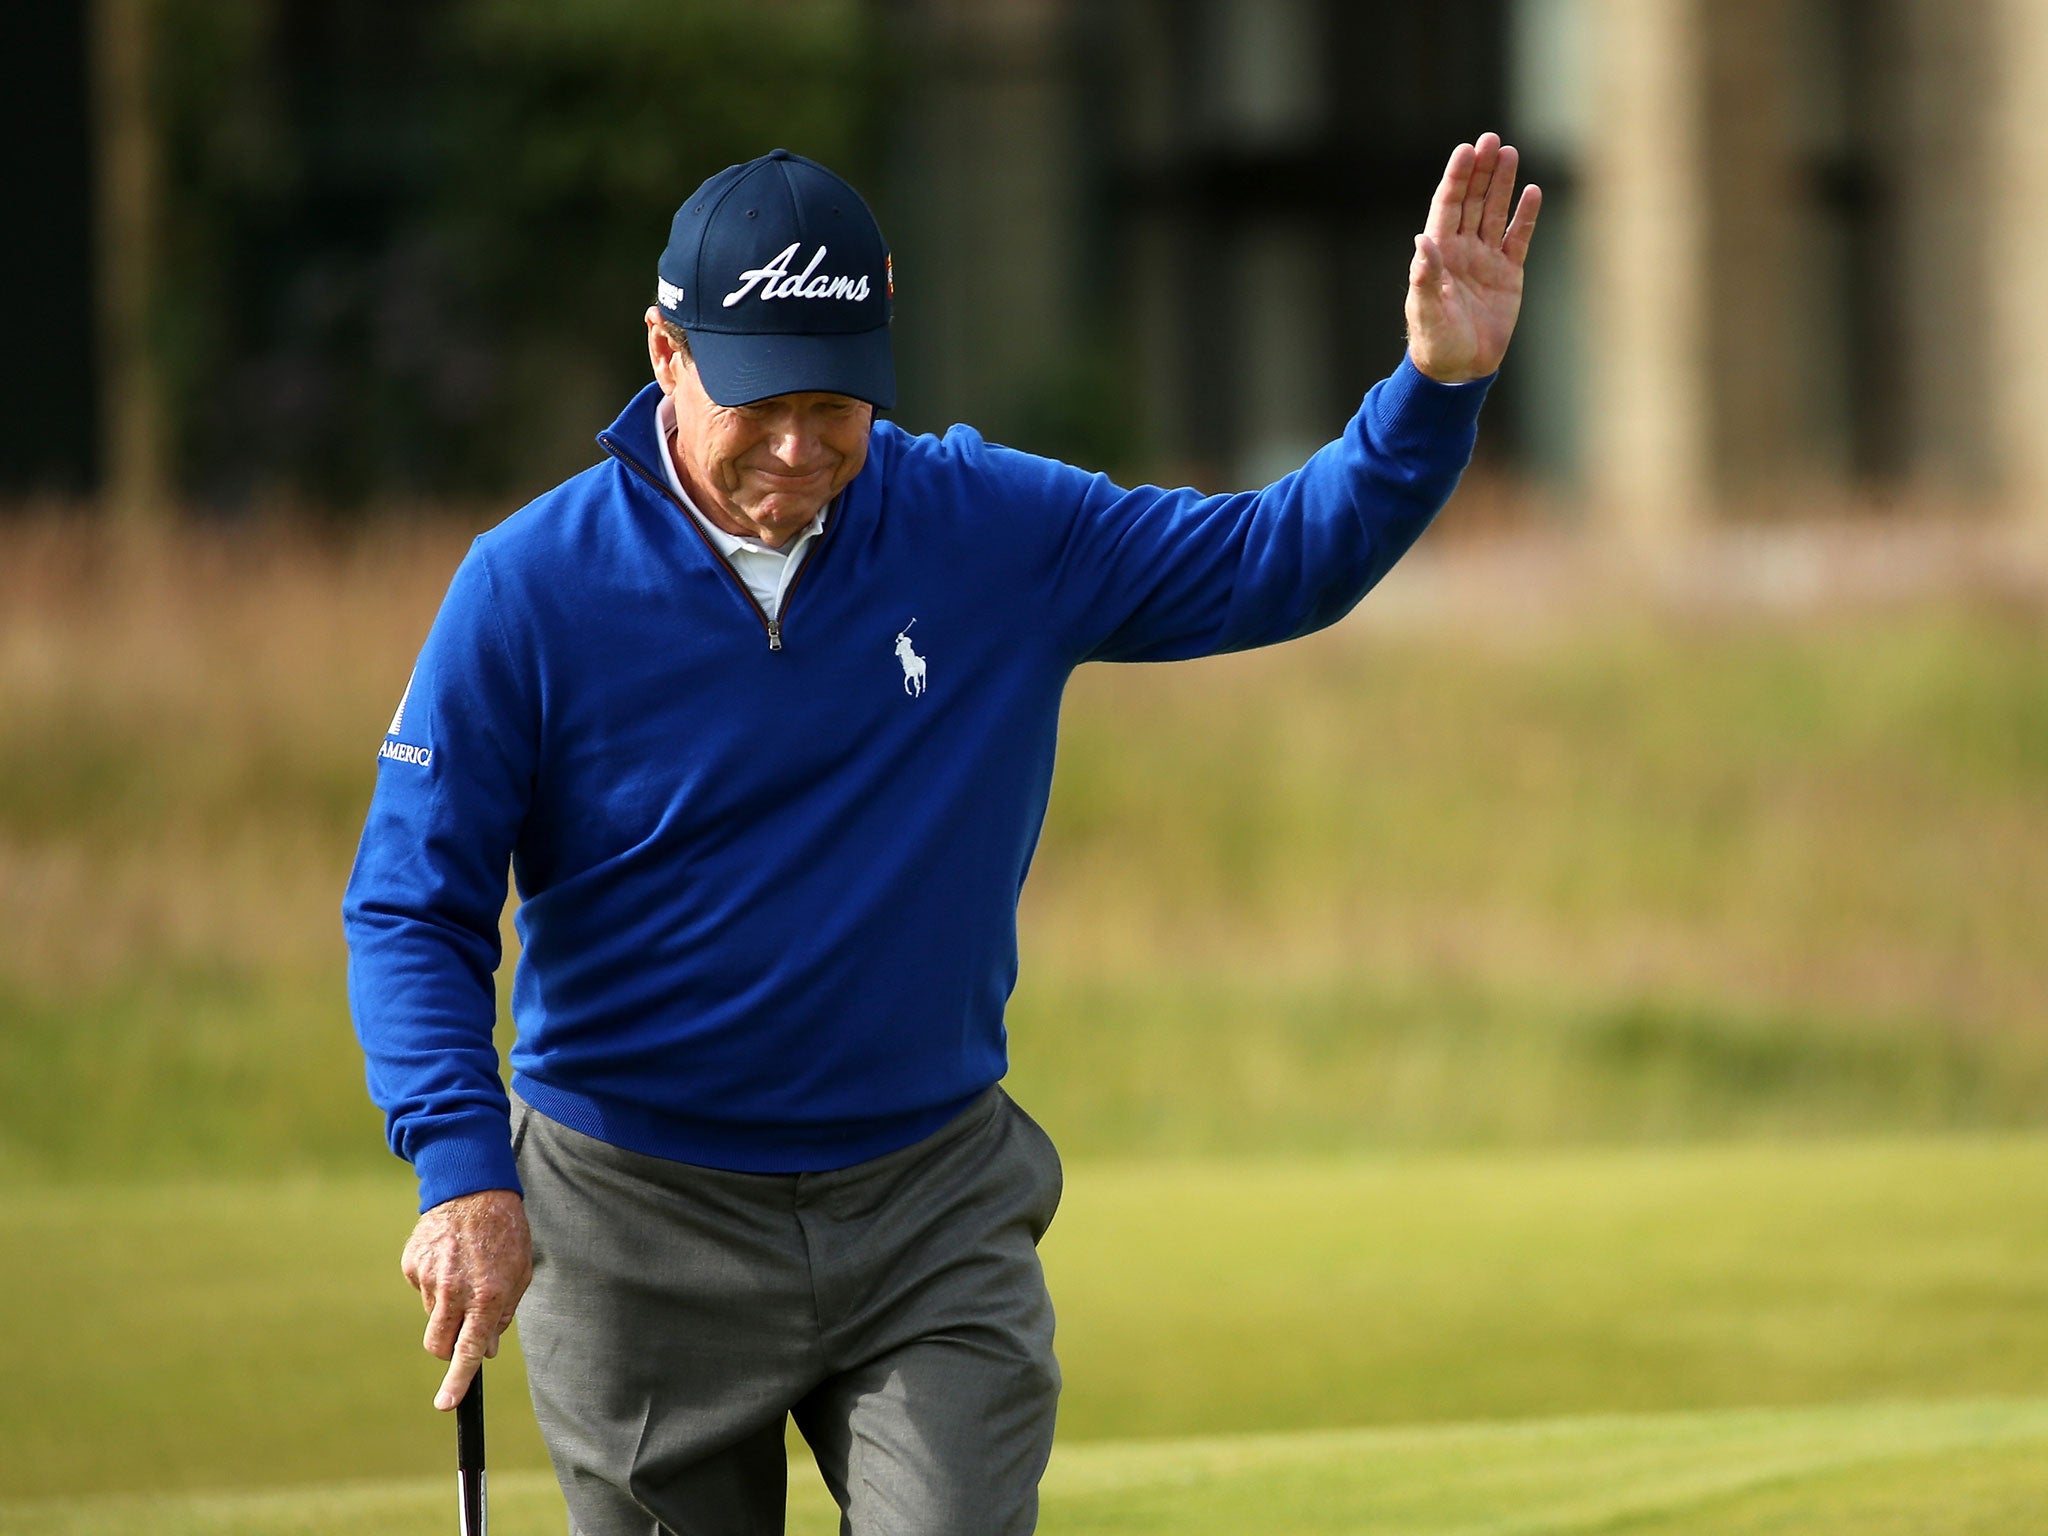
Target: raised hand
(1465,283)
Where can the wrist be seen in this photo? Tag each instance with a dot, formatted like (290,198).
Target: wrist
(1446,377)
(1437,373)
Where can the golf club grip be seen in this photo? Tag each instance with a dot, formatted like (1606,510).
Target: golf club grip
(469,1459)
(469,1426)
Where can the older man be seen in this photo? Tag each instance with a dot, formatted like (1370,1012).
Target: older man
(760,712)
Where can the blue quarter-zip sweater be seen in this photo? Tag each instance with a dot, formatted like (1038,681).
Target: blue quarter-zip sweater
(769,874)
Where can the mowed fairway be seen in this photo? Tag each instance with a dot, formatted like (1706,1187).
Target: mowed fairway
(1964,1469)
(1546,1330)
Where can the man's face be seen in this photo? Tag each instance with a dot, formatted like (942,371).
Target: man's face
(762,470)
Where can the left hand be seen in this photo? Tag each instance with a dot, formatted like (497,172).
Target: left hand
(1465,283)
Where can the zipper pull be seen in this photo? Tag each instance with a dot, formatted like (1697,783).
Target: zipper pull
(775,634)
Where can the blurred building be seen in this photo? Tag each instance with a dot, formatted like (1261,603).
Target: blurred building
(1787,243)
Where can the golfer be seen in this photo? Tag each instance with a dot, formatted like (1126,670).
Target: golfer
(759,712)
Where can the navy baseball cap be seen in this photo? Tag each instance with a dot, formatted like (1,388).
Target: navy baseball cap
(778,273)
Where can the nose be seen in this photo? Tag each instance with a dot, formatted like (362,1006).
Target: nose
(794,442)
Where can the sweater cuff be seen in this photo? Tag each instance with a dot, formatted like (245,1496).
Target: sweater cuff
(467,1159)
(1411,407)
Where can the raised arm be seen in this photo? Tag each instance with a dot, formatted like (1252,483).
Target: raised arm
(1151,575)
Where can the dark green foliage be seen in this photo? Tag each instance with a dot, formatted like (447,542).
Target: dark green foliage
(409,241)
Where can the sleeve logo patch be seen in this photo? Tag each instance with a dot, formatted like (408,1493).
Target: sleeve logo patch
(399,752)
(398,719)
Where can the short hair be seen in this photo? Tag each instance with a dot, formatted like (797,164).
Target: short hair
(677,335)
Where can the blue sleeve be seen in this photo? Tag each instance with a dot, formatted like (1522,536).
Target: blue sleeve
(1153,575)
(454,778)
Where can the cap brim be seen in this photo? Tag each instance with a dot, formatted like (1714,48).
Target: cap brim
(740,369)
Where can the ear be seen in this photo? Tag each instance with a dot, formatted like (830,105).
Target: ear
(662,355)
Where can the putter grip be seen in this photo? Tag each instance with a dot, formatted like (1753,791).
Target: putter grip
(474,1506)
(469,1426)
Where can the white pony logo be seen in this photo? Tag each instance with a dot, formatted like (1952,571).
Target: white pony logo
(913,664)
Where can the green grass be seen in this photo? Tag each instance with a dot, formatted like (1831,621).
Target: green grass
(1956,1469)
(1205,1061)
(204,1336)
(1200,1298)
(1576,1078)
(1618,877)
(195,1072)
(190,1070)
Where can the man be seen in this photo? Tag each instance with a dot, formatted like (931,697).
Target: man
(760,711)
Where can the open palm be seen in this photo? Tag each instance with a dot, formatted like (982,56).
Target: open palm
(1465,283)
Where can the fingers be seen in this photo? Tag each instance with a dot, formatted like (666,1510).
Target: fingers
(443,1324)
(1500,191)
(1425,289)
(1426,267)
(1485,160)
(482,1328)
(482,1311)
(1477,190)
(1447,208)
(470,1352)
(1516,244)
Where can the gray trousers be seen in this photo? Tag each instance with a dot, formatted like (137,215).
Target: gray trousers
(679,1315)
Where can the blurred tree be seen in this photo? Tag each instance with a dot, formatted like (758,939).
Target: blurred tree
(49,395)
(131,415)
(580,128)
(407,242)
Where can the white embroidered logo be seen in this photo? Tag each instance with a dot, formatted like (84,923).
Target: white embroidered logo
(398,720)
(669,294)
(913,664)
(778,282)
